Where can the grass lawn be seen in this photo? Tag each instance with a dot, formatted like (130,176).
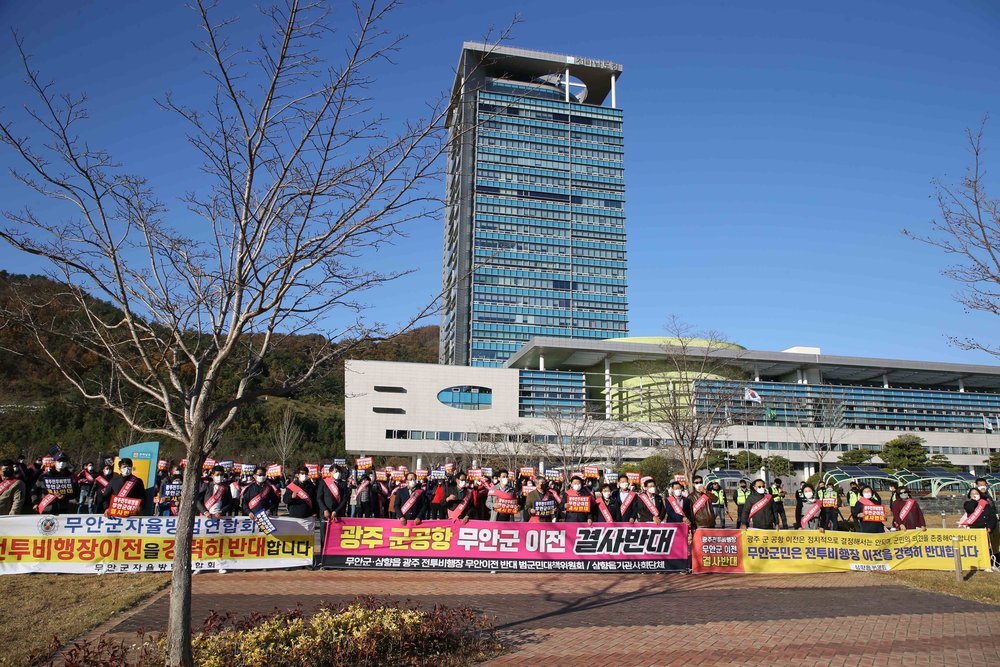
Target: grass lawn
(34,608)
(978,586)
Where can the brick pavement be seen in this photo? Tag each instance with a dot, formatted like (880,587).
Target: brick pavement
(821,619)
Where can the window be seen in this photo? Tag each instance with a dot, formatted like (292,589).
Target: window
(467,397)
(389,411)
(390,390)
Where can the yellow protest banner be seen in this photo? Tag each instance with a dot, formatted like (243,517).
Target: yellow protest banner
(751,551)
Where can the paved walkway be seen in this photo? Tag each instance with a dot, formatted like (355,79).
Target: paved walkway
(822,619)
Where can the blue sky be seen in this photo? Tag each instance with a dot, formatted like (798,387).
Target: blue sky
(774,150)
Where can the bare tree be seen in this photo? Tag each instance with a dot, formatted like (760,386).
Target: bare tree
(969,231)
(286,437)
(507,446)
(690,398)
(304,181)
(820,422)
(577,438)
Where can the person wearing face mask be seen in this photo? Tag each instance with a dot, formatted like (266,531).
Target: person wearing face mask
(168,494)
(332,496)
(719,503)
(678,507)
(811,512)
(501,500)
(125,485)
(541,503)
(798,504)
(460,501)
(300,495)
(411,501)
(259,494)
(107,473)
(869,512)
(830,498)
(758,511)
(55,491)
(216,496)
(21,468)
(577,504)
(702,513)
(624,500)
(605,505)
(85,481)
(649,508)
(978,512)
(740,496)
(12,490)
(906,514)
(778,498)
(984,493)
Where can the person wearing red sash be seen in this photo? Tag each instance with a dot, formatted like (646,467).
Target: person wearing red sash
(649,505)
(99,504)
(678,507)
(702,505)
(44,501)
(577,504)
(978,512)
(332,495)
(215,498)
(624,501)
(541,504)
(503,491)
(85,482)
(984,494)
(300,495)
(259,493)
(12,490)
(164,504)
(411,501)
(606,510)
(758,511)
(125,485)
(460,501)
(868,512)
(906,514)
(810,515)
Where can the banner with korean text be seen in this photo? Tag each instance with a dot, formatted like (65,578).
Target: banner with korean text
(752,551)
(506,546)
(91,543)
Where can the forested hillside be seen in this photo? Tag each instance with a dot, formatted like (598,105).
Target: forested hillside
(37,408)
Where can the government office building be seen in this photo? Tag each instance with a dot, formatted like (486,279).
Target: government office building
(433,411)
(535,196)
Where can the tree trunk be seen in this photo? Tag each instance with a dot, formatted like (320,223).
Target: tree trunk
(179,621)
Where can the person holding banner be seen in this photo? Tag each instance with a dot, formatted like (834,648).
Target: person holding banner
(678,506)
(984,494)
(649,508)
(259,495)
(411,501)
(979,513)
(100,503)
(605,508)
(541,504)
(124,494)
(758,511)
(810,515)
(869,512)
(216,496)
(168,494)
(55,491)
(702,505)
(367,498)
(577,503)
(906,513)
(501,500)
(12,490)
(460,501)
(300,495)
(332,495)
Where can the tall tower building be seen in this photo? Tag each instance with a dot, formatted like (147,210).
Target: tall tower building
(535,218)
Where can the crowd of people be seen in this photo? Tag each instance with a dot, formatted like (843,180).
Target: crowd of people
(334,491)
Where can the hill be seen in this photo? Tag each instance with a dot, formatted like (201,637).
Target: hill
(38,408)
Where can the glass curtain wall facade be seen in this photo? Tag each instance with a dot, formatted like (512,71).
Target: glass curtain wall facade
(535,228)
